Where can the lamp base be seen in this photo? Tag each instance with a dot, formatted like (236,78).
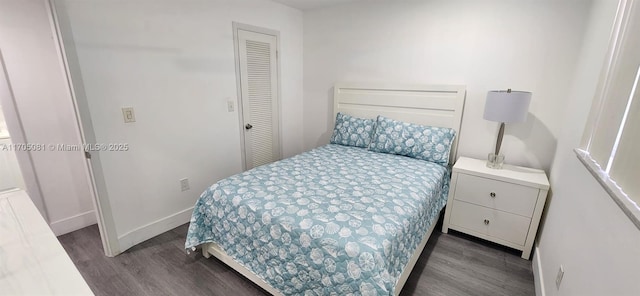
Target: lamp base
(495,161)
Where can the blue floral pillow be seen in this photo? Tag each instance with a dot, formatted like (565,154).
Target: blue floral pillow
(418,141)
(352,131)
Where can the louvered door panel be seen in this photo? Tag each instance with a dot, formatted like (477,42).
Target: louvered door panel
(259,97)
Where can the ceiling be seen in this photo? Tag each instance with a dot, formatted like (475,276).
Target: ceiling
(312,4)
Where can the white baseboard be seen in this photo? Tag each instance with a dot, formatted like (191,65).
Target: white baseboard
(73,223)
(152,229)
(538,278)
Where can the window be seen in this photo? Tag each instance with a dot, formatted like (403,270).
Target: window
(611,143)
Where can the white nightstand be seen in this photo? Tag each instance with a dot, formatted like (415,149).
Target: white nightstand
(503,206)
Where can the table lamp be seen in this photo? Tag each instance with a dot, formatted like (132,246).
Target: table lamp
(504,106)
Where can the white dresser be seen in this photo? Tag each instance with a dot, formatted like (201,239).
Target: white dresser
(32,261)
(500,205)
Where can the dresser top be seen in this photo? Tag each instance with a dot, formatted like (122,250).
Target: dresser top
(35,262)
(509,173)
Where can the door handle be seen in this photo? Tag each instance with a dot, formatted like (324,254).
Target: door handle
(248,126)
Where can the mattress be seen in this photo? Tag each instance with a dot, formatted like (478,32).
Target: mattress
(331,221)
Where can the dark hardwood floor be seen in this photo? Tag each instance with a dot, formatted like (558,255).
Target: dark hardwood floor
(451,264)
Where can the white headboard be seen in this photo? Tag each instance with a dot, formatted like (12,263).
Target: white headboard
(434,105)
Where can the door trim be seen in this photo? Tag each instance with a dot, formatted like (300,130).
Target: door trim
(236,49)
(18,135)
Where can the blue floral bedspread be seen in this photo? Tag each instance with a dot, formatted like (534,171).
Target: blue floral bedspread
(336,220)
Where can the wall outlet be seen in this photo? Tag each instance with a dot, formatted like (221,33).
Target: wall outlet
(128,114)
(184,184)
(559,276)
(230,105)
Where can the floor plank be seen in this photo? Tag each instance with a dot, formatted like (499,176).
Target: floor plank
(451,264)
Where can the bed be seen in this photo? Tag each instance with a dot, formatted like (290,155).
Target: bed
(338,219)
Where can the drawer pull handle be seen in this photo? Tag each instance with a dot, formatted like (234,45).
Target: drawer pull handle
(492,194)
(486,222)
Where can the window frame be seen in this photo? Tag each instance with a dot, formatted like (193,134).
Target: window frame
(630,207)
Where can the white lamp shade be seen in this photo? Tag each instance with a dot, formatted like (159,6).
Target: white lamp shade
(507,107)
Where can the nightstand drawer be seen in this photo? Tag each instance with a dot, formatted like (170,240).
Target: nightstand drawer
(498,195)
(494,223)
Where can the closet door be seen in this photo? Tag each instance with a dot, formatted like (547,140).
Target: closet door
(259,97)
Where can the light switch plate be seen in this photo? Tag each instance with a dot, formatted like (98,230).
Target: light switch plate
(128,114)
(230,106)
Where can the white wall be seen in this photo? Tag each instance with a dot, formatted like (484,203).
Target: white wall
(583,228)
(44,105)
(173,61)
(485,45)
(3,124)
